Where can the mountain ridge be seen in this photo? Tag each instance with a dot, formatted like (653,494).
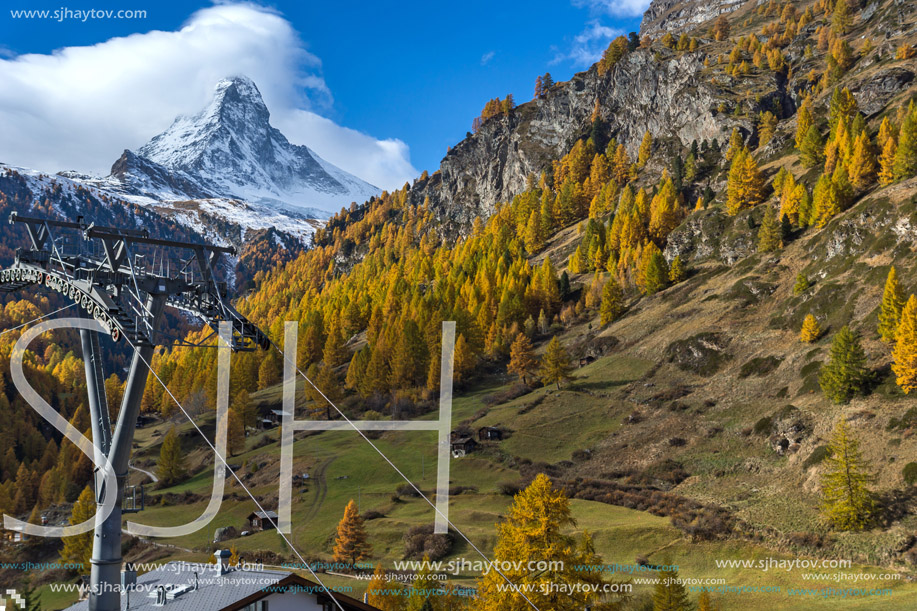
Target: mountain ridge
(230,150)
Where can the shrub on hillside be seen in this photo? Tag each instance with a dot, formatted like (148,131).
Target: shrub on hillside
(763,426)
(910,473)
(420,541)
(510,488)
(513,392)
(407,490)
(818,454)
(908,420)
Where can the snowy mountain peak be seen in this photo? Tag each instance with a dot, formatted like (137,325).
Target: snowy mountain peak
(230,150)
(238,88)
(236,115)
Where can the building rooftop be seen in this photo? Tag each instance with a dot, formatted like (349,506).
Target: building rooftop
(210,590)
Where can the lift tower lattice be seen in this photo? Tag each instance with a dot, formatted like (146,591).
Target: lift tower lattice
(124,278)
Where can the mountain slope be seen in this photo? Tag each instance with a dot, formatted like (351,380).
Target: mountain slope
(682,15)
(724,426)
(667,94)
(692,398)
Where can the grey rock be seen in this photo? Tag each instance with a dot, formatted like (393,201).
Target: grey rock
(677,16)
(874,93)
(712,234)
(703,354)
(225,533)
(669,98)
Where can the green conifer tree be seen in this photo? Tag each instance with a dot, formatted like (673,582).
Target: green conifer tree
(811,147)
(677,271)
(171,468)
(655,270)
(845,373)
(802,284)
(770,235)
(905,164)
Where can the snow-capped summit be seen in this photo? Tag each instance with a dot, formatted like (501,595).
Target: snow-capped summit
(230,150)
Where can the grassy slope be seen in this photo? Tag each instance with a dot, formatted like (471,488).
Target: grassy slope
(559,423)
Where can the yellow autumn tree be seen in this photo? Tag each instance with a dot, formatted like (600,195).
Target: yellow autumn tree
(847,502)
(886,131)
(804,120)
(704,603)
(620,165)
(350,542)
(556,366)
(893,300)
(810,329)
(78,549)
(767,125)
(665,211)
(464,359)
(887,162)
(745,184)
(536,529)
(862,164)
(904,354)
(522,361)
(791,195)
(235,439)
(646,148)
(826,201)
(382,593)
(736,143)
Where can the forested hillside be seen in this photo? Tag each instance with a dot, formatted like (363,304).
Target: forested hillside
(682,280)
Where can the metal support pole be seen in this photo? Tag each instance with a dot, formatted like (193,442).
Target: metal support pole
(105,575)
(98,404)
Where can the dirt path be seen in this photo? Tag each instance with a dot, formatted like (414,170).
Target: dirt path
(144,471)
(321,489)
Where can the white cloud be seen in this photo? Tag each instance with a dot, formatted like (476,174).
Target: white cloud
(615,8)
(79,107)
(384,163)
(485,59)
(588,45)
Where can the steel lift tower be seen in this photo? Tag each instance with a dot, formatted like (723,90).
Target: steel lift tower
(124,279)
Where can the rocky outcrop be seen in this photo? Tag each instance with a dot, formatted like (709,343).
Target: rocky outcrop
(877,90)
(134,174)
(872,226)
(665,95)
(680,16)
(714,235)
(702,354)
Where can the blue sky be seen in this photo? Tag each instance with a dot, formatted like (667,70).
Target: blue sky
(397,72)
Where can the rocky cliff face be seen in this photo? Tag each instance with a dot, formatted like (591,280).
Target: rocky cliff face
(677,16)
(667,96)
